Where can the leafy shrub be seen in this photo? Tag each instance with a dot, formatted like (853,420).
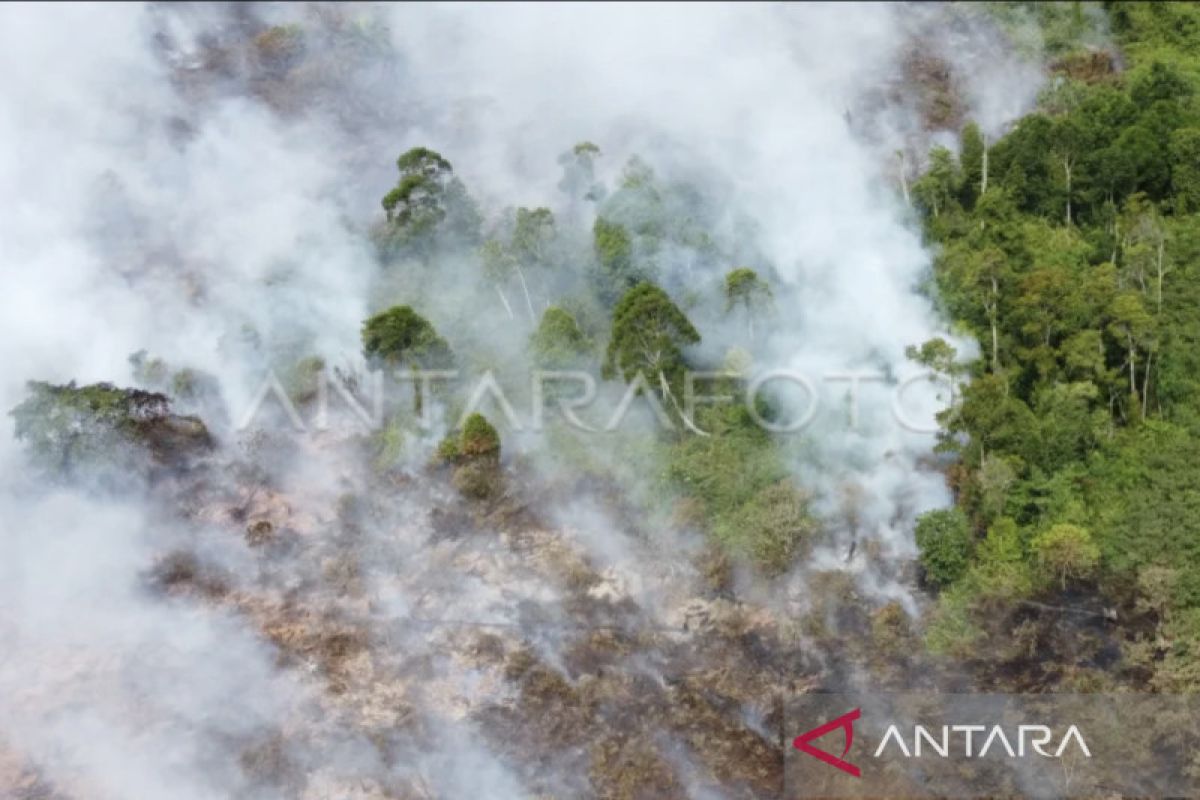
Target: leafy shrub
(771,527)
(448,451)
(944,538)
(1067,551)
(479,438)
(558,342)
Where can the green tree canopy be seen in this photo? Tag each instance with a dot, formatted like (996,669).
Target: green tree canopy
(558,342)
(401,336)
(973,158)
(428,199)
(1067,551)
(944,538)
(524,240)
(936,190)
(745,290)
(479,438)
(104,432)
(614,256)
(649,333)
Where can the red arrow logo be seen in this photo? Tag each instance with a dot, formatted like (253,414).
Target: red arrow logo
(846,723)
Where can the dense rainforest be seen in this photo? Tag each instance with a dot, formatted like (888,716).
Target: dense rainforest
(1068,249)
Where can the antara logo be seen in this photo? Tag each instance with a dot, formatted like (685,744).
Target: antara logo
(846,723)
(1028,738)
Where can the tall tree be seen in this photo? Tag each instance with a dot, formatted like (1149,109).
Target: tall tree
(428,199)
(523,241)
(649,333)
(579,175)
(1067,551)
(936,189)
(980,274)
(1143,244)
(744,289)
(614,255)
(1068,142)
(1185,170)
(1133,327)
(400,337)
(973,156)
(558,342)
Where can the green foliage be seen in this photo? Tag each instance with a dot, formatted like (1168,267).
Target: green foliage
(149,371)
(401,336)
(1185,169)
(744,289)
(936,191)
(952,630)
(428,201)
(642,219)
(1054,30)
(533,234)
(475,455)
(478,438)
(415,202)
(389,444)
(771,527)
(739,485)
(448,451)
(102,431)
(558,343)
(524,241)
(185,385)
(649,333)
(729,467)
(1067,551)
(945,540)
(1002,545)
(1077,270)
(614,254)
(300,381)
(972,153)
(1143,496)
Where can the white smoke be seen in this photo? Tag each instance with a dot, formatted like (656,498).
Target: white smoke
(217,232)
(757,96)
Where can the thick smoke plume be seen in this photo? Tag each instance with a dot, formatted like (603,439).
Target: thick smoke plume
(170,193)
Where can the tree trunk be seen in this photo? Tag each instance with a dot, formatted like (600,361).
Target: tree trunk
(1161,272)
(1146,383)
(983,177)
(1067,170)
(667,393)
(995,348)
(528,299)
(417,407)
(993,314)
(1132,367)
(504,300)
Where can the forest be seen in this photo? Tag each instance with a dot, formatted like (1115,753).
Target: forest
(1067,248)
(517,401)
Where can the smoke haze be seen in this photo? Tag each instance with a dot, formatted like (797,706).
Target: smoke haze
(169,193)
